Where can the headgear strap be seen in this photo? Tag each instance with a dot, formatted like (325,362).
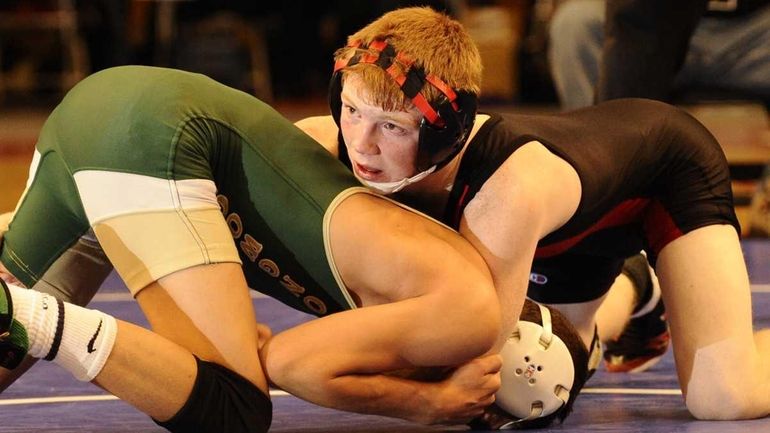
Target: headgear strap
(382,54)
(446,121)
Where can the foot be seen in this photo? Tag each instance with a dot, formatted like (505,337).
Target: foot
(645,339)
(13,337)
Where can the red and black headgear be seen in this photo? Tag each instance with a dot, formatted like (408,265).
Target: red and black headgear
(446,123)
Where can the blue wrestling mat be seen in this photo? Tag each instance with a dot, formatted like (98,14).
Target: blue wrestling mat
(47,399)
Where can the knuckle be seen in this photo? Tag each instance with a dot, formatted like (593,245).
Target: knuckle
(496,382)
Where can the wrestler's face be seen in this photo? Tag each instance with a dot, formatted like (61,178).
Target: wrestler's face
(382,145)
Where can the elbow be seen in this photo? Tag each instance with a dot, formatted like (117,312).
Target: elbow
(473,317)
(485,314)
(302,375)
(276,363)
(289,369)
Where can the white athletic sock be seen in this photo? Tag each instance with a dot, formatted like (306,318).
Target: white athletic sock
(78,339)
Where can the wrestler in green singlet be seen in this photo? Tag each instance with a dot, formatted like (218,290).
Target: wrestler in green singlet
(169,170)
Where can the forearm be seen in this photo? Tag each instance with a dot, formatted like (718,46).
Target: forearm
(415,395)
(331,373)
(342,361)
(380,394)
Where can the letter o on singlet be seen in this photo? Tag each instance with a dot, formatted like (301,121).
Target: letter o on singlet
(315,304)
(235,224)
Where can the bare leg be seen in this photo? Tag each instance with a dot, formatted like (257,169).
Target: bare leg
(206,310)
(615,312)
(148,371)
(723,371)
(583,317)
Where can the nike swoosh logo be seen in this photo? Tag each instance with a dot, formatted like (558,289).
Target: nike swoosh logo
(91,348)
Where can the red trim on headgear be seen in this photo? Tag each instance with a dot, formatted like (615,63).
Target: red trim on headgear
(444,88)
(399,77)
(404,60)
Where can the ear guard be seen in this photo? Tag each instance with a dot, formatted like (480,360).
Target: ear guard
(446,123)
(541,375)
(537,365)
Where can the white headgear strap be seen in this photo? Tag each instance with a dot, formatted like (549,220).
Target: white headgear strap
(396,186)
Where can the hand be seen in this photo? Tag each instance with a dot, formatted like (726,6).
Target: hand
(466,392)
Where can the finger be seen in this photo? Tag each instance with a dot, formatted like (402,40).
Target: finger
(492,363)
(487,401)
(488,397)
(494,381)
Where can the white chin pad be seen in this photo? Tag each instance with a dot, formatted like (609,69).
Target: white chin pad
(396,186)
(537,372)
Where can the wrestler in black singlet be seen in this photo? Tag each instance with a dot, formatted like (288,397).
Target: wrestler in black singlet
(649,173)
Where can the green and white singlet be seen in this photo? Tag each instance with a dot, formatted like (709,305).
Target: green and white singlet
(170,170)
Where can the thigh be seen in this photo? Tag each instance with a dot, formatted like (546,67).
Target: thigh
(705,286)
(170,243)
(207,310)
(48,221)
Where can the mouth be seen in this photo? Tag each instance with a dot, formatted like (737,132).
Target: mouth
(366,173)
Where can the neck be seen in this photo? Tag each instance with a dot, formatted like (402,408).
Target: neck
(430,194)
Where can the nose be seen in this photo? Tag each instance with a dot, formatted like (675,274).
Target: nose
(363,139)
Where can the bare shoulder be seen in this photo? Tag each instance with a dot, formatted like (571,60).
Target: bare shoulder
(323,129)
(533,187)
(369,218)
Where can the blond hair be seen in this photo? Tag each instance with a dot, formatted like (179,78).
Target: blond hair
(432,40)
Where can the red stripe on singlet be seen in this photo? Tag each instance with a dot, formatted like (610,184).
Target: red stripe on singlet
(659,227)
(623,213)
(460,207)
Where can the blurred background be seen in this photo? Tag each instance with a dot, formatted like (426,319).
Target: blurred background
(275,50)
(279,51)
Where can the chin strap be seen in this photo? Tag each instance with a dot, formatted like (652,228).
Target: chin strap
(396,186)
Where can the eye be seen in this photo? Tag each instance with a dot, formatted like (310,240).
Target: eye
(394,129)
(348,109)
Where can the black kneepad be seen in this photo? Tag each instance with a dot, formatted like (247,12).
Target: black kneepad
(222,401)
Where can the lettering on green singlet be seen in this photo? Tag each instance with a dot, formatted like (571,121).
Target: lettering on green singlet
(252,249)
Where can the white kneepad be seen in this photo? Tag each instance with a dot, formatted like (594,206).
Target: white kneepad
(538,371)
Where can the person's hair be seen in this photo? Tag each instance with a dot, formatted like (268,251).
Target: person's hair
(432,40)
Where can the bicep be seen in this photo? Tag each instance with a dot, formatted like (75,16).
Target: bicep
(505,233)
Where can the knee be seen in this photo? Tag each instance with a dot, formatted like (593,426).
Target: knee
(718,404)
(222,401)
(716,394)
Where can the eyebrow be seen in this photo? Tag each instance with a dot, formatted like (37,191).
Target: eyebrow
(401,117)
